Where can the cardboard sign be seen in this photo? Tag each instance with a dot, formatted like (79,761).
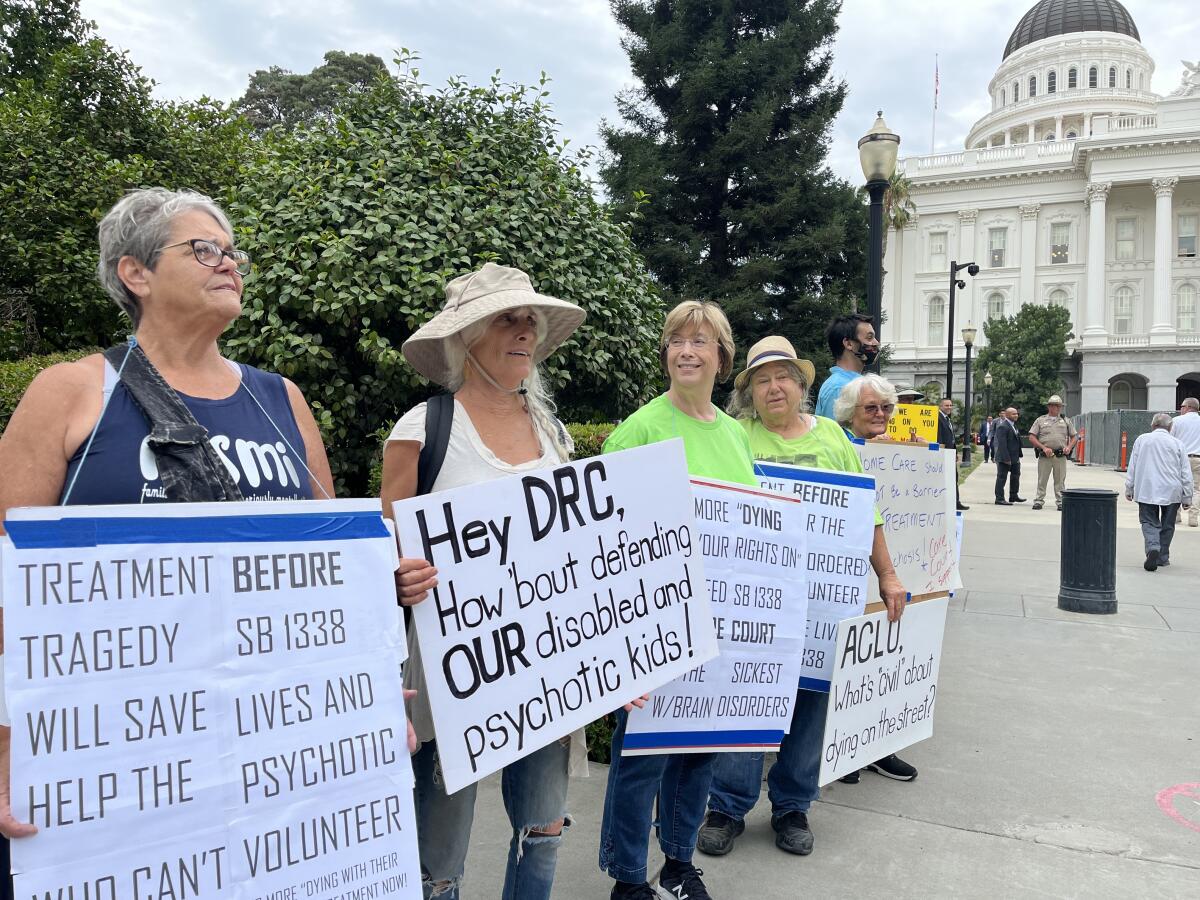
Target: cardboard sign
(206,701)
(914,423)
(563,594)
(884,686)
(753,544)
(839,523)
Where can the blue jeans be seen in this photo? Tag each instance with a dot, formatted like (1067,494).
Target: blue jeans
(792,781)
(535,796)
(680,781)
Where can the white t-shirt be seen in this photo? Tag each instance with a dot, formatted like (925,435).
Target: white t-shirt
(1186,429)
(468,461)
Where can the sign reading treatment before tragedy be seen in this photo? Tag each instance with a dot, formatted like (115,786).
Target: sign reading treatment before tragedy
(562,594)
(753,544)
(839,523)
(206,702)
(884,686)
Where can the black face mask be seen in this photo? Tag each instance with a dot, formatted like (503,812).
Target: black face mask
(866,354)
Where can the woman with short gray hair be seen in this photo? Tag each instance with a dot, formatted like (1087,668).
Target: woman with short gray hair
(864,404)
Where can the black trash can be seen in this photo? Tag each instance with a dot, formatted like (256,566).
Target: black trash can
(1088,564)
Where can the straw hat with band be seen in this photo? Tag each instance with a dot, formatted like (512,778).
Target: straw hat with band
(774,349)
(1054,400)
(478,296)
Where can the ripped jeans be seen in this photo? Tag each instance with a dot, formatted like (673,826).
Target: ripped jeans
(535,796)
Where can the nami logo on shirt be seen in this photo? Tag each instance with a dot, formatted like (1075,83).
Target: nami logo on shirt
(259,464)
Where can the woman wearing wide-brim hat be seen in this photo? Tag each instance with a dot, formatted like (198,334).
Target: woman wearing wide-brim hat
(770,400)
(484,347)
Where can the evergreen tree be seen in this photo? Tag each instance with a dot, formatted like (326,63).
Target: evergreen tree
(723,161)
(276,96)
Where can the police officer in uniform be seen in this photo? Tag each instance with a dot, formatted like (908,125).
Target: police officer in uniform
(1053,438)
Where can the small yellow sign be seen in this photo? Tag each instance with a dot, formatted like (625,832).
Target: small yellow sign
(914,423)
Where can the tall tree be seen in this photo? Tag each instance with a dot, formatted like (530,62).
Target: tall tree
(723,157)
(31,32)
(1024,353)
(276,96)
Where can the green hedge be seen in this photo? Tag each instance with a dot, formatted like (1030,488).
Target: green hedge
(16,375)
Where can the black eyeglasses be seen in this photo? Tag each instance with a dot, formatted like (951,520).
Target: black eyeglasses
(209,254)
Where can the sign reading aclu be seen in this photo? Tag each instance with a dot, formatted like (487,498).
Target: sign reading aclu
(752,543)
(839,523)
(206,702)
(884,686)
(914,492)
(563,594)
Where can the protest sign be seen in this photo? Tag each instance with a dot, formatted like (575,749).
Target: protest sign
(914,423)
(753,545)
(884,686)
(914,493)
(206,701)
(839,522)
(563,594)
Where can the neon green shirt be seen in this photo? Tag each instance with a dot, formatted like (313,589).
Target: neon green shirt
(717,449)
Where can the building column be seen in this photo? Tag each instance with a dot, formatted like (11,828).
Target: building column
(964,299)
(1162,331)
(1058,132)
(908,313)
(1007,137)
(1032,136)
(1029,218)
(1095,332)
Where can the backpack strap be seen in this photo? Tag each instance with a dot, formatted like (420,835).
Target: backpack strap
(439,417)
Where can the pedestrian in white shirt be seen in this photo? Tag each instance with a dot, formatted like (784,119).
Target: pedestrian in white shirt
(1186,430)
(1159,480)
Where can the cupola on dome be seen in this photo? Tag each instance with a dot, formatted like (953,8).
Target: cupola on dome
(1050,18)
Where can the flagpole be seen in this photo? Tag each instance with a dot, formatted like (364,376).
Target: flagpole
(933,127)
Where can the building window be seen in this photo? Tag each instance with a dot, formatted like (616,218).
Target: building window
(995,305)
(1016,91)
(1051,82)
(1050,137)
(1186,242)
(1071,135)
(1072,77)
(1058,297)
(1003,96)
(1092,77)
(1120,395)
(1123,311)
(1112,76)
(997,239)
(1128,80)
(937,251)
(1032,85)
(1126,239)
(1185,307)
(937,321)
(1060,237)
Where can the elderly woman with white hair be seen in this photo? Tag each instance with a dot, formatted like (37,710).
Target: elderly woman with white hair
(865,406)
(770,400)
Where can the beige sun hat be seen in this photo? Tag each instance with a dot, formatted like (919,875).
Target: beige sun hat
(1054,400)
(480,295)
(774,349)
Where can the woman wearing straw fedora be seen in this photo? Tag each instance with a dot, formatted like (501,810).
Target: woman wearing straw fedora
(484,347)
(770,400)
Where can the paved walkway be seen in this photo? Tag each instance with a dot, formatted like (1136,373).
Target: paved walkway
(1056,734)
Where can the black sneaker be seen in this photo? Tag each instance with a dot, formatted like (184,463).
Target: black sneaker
(682,883)
(893,767)
(793,834)
(850,777)
(718,833)
(641,891)
(1151,561)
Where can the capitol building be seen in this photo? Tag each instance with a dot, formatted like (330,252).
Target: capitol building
(1080,188)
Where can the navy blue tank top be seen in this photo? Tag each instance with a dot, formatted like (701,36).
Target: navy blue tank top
(121,468)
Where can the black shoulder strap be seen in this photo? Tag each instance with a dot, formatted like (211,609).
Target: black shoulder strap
(439,416)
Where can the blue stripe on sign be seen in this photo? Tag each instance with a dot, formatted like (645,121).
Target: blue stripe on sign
(814,684)
(654,740)
(935,447)
(818,476)
(98,531)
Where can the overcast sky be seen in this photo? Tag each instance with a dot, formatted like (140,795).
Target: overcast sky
(884,51)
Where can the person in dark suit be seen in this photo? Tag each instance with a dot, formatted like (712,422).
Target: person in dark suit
(985,437)
(945,437)
(1006,448)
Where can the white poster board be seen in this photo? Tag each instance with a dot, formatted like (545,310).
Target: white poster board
(563,594)
(914,493)
(206,700)
(884,686)
(839,523)
(753,545)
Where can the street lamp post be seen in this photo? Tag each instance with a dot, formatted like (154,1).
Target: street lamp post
(968,336)
(877,151)
(955,282)
(987,393)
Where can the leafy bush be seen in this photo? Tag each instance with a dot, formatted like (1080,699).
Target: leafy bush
(599,739)
(16,375)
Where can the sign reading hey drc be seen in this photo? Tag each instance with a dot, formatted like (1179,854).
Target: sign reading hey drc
(563,594)
(206,701)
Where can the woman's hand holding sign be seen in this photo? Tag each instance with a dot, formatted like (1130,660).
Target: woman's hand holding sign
(415,578)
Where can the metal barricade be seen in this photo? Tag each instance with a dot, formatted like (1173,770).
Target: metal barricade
(1104,430)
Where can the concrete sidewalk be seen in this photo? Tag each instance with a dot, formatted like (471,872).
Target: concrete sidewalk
(1055,735)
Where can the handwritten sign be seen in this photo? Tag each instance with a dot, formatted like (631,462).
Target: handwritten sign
(914,423)
(564,593)
(914,493)
(884,686)
(839,523)
(754,557)
(206,701)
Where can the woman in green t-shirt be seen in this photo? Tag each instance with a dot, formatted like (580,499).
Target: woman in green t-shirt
(770,400)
